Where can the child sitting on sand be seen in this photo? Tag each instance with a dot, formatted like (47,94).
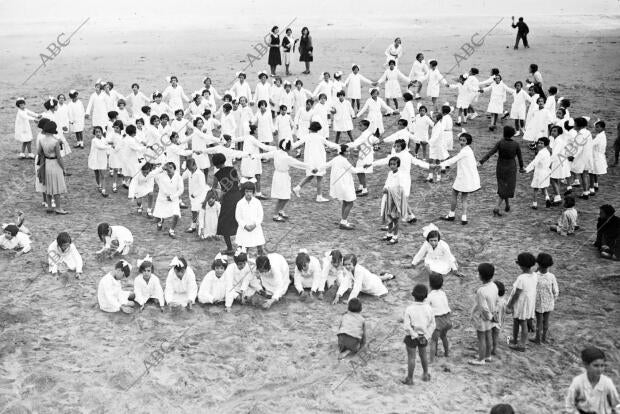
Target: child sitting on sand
(419,324)
(591,391)
(360,280)
(62,255)
(146,285)
(499,316)
(352,330)
(181,288)
(116,239)
(213,287)
(546,294)
(110,293)
(523,301)
(435,253)
(567,223)
(308,275)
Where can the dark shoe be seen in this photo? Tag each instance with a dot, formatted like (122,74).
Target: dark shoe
(412,220)
(346,227)
(568,192)
(584,197)
(496,212)
(464,222)
(392,241)
(61,212)
(386,238)
(548,203)
(384,228)
(446,218)
(534,207)
(535,341)
(278,219)
(507,209)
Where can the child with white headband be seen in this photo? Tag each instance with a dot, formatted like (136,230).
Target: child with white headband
(213,286)
(436,253)
(146,285)
(181,288)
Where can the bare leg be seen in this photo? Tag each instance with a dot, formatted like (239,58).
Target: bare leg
(350,134)
(495,336)
(410,366)
(482,351)
(346,209)
(319,185)
(424,360)
(446,345)
(433,346)
(455,195)
(523,324)
(424,149)
(488,336)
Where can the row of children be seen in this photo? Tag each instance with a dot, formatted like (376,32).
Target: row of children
(263,281)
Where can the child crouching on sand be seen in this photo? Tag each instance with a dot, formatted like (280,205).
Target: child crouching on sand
(352,330)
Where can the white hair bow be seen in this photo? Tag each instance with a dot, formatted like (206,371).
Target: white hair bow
(338,73)
(302,250)
(126,263)
(571,122)
(465,75)
(560,98)
(147,258)
(323,75)
(449,106)
(245,180)
(20,98)
(419,105)
(587,118)
(428,228)
(463,131)
(239,250)
(175,262)
(72,91)
(353,65)
(221,257)
(261,73)
(168,78)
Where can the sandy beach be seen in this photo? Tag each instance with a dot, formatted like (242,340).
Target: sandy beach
(60,353)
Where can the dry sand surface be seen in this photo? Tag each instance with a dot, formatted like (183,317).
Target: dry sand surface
(59,353)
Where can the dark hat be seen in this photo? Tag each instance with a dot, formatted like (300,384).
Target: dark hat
(50,128)
(314,126)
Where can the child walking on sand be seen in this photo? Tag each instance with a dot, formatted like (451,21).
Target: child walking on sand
(546,294)
(438,302)
(352,329)
(523,301)
(482,314)
(541,165)
(419,324)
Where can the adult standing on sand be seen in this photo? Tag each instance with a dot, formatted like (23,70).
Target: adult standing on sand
(305,49)
(507,149)
(274,50)
(522,31)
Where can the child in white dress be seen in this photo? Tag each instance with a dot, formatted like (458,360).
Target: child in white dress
(116,142)
(322,113)
(538,120)
(273,273)
(116,239)
(353,83)
(174,94)
(288,98)
(15,240)
(341,185)
(360,280)
(76,114)
(365,145)
(241,88)
(283,125)
(281,179)
(62,255)
(23,131)
(518,107)
(436,253)
(167,204)
(275,95)
(419,73)
(462,99)
(249,216)
(436,149)
(197,189)
(391,77)
(146,286)
(420,130)
(213,287)
(123,115)
(303,117)
(375,105)
(264,123)
(262,91)
(435,80)
(325,87)
(98,158)
(308,275)
(315,157)
(447,123)
(300,96)
(110,294)
(496,101)
(208,216)
(181,288)
(541,165)
(599,161)
(523,300)
(567,223)
(141,187)
(482,315)
(131,154)
(343,114)
(251,167)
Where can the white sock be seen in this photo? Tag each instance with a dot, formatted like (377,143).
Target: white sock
(344,221)
(557,198)
(451,214)
(569,187)
(464,217)
(534,204)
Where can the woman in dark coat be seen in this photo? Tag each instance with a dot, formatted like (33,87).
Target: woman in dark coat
(228,178)
(305,49)
(274,50)
(506,172)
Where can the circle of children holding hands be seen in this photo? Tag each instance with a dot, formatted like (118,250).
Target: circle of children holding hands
(151,145)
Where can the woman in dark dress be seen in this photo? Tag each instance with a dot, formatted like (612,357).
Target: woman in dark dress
(305,49)
(228,178)
(274,50)
(506,172)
